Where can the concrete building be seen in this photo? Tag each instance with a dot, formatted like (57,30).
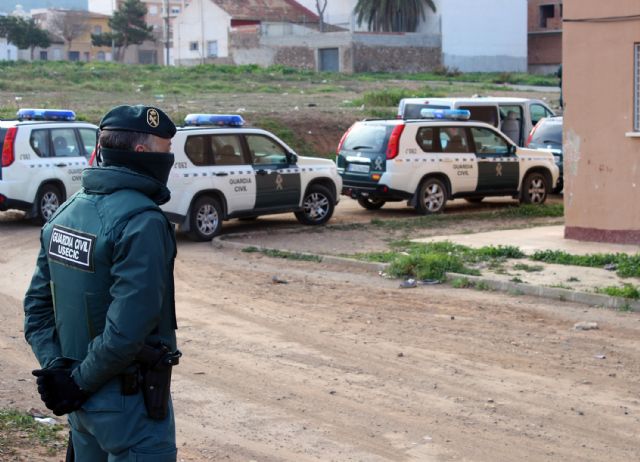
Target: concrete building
(601,83)
(475,35)
(80,48)
(545,35)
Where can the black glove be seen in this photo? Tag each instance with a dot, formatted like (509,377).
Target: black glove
(59,391)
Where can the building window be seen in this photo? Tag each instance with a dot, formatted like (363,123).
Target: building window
(546,12)
(193,46)
(101,56)
(74,56)
(153,10)
(175,10)
(97,30)
(212,49)
(43,56)
(636,84)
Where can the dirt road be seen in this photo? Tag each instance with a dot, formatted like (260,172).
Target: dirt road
(345,366)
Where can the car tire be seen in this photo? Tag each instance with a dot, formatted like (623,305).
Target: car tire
(559,186)
(432,196)
(205,219)
(474,200)
(370,204)
(535,189)
(317,206)
(48,199)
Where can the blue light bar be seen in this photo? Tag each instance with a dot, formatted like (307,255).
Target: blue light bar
(222,120)
(46,114)
(445,114)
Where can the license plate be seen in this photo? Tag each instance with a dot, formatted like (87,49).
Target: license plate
(360,168)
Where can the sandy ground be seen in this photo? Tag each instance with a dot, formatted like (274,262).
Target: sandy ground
(339,365)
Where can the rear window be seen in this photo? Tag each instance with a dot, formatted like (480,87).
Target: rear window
(368,138)
(412,111)
(487,114)
(547,134)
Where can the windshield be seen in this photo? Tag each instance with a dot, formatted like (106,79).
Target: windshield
(367,137)
(548,134)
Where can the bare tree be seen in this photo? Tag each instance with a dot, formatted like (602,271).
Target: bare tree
(321,5)
(69,24)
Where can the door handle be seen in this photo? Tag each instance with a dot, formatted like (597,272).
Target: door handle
(221,174)
(62,164)
(261,172)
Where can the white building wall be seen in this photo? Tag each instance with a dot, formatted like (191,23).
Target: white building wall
(102,6)
(484,35)
(202,21)
(8,52)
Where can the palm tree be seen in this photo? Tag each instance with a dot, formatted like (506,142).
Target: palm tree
(392,15)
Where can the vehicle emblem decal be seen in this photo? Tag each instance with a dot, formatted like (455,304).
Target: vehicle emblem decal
(378,163)
(153,118)
(499,169)
(279,182)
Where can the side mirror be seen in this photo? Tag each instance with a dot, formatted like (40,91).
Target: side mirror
(512,149)
(292,158)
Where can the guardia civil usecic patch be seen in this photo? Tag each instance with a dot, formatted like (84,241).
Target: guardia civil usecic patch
(71,247)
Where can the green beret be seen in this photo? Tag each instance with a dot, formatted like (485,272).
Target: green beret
(143,119)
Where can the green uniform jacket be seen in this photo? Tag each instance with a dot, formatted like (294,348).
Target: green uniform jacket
(103,285)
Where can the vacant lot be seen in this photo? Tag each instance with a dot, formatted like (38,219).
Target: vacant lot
(333,364)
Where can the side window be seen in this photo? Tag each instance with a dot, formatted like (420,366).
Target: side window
(453,139)
(39,141)
(88,137)
(489,142)
(264,150)
(196,149)
(426,138)
(64,142)
(226,150)
(537,113)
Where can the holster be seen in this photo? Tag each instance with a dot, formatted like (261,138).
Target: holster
(155,368)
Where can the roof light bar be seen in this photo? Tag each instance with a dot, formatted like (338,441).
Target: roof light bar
(46,114)
(222,120)
(445,114)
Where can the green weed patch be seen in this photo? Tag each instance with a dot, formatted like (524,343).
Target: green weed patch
(626,265)
(19,430)
(626,291)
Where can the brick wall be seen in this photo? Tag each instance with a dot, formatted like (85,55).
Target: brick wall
(298,57)
(545,49)
(533,16)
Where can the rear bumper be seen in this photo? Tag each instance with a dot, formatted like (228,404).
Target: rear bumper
(8,204)
(375,191)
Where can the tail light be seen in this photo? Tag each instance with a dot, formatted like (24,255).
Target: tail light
(8,148)
(394,141)
(344,137)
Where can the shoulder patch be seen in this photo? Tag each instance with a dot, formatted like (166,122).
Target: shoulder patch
(72,248)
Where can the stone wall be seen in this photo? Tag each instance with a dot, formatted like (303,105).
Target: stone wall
(298,57)
(403,59)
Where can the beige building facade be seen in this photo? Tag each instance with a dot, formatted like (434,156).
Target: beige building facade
(601,84)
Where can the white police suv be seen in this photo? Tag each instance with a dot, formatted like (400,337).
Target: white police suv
(43,154)
(225,170)
(443,156)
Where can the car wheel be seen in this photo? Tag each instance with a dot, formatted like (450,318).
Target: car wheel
(432,196)
(371,203)
(205,219)
(47,202)
(474,200)
(317,206)
(559,186)
(534,189)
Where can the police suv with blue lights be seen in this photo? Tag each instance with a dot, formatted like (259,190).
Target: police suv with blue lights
(225,170)
(439,157)
(43,154)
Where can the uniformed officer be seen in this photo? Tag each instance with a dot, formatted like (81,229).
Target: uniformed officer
(99,313)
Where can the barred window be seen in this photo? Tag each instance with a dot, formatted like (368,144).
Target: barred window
(636,92)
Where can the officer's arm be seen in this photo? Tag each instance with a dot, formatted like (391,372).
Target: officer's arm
(140,271)
(39,316)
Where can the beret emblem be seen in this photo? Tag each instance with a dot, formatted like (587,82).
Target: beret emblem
(153,118)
